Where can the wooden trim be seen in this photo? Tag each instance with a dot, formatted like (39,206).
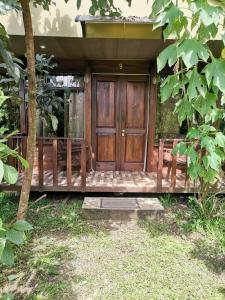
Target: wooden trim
(87,108)
(174,169)
(83,167)
(40,162)
(94,189)
(160,166)
(152,118)
(55,161)
(69,162)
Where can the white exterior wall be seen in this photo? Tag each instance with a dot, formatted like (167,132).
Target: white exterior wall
(60,19)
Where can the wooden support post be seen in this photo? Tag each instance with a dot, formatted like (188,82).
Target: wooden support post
(55,162)
(69,162)
(174,169)
(40,163)
(160,166)
(152,118)
(87,108)
(83,167)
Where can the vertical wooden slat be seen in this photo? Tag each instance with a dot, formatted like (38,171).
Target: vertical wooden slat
(55,162)
(160,166)
(40,162)
(19,146)
(174,169)
(69,162)
(187,179)
(11,146)
(83,167)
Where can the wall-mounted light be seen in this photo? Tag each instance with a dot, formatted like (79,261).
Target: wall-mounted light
(120,66)
(42,47)
(154,80)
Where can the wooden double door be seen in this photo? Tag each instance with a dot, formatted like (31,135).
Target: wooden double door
(119,122)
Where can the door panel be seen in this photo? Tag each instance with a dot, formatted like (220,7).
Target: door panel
(106,148)
(134,148)
(134,122)
(135,105)
(105,106)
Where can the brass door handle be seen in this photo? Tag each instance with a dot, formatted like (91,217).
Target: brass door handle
(123,132)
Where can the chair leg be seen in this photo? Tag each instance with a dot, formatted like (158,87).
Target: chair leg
(168,171)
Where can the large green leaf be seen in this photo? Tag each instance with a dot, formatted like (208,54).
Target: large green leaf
(168,16)
(204,104)
(196,84)
(207,142)
(54,122)
(215,73)
(1,170)
(12,69)
(7,255)
(215,161)
(191,51)
(158,6)
(2,245)
(23,161)
(169,54)
(10,174)
(15,236)
(170,87)
(207,33)
(22,225)
(184,109)
(220,139)
(208,14)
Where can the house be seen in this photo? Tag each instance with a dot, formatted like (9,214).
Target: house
(114,135)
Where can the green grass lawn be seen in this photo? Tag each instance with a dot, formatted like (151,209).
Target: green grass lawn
(66,257)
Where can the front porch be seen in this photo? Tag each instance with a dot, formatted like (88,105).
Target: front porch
(64,164)
(107,181)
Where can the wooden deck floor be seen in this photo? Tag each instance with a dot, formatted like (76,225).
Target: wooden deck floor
(108,181)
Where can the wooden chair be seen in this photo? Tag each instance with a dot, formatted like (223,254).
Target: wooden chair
(181,162)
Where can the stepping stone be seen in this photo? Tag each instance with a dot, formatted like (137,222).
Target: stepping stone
(108,208)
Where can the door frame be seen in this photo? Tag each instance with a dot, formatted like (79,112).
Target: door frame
(116,77)
(130,67)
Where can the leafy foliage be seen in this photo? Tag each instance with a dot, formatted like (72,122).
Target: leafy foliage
(9,236)
(198,83)
(13,69)
(8,173)
(47,98)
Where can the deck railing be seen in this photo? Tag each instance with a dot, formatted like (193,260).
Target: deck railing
(54,155)
(172,163)
(62,164)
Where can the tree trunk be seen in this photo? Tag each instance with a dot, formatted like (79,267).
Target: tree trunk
(31,139)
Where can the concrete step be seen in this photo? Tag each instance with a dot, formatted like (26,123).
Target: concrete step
(109,208)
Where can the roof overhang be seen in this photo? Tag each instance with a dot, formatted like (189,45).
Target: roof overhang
(126,28)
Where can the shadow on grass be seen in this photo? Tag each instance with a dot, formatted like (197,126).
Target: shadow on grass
(205,248)
(211,254)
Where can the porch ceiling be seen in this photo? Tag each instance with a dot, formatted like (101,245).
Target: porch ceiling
(80,50)
(92,49)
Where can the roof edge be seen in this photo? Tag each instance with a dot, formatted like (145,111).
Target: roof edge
(107,19)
